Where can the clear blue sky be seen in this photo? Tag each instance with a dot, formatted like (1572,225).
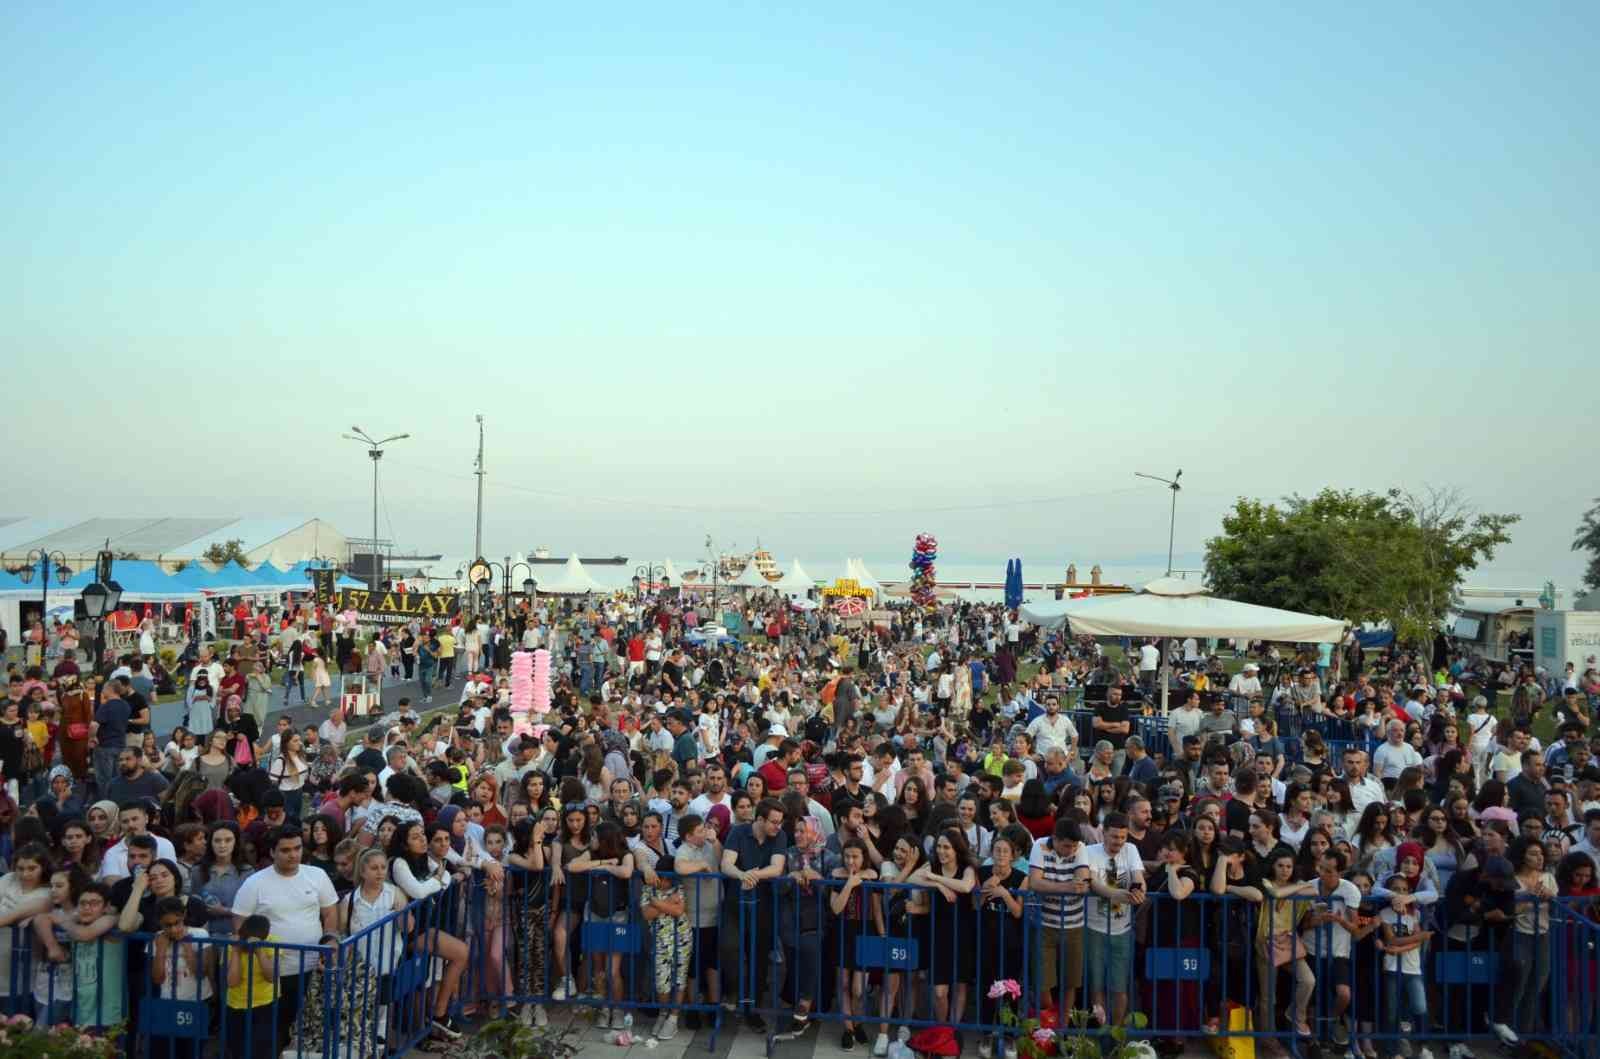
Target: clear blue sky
(819,275)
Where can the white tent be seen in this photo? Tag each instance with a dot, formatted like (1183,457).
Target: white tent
(573,580)
(670,574)
(857,570)
(796,581)
(750,577)
(1174,608)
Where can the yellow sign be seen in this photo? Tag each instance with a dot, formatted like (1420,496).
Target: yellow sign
(847,587)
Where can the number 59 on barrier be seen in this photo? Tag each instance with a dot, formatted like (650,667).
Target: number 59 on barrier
(174,1018)
(889,954)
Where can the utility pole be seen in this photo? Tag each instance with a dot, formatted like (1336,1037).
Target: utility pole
(477,544)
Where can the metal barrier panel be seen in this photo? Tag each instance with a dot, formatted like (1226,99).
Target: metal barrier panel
(872,957)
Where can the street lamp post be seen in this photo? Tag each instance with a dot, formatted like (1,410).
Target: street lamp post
(1172,527)
(645,576)
(1172,524)
(100,600)
(41,561)
(375,452)
(480,574)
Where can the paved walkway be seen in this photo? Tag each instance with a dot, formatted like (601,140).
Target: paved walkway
(167,715)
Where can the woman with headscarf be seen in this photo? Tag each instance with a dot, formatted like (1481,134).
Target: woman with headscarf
(1411,860)
(104,824)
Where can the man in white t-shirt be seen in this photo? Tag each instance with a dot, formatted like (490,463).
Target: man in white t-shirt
(1149,661)
(1480,736)
(1184,721)
(300,902)
(1191,650)
(716,792)
(1364,787)
(1327,933)
(1395,755)
(1052,730)
(1247,682)
(135,820)
(1116,887)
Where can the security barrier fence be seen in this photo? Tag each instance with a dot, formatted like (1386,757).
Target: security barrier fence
(864,956)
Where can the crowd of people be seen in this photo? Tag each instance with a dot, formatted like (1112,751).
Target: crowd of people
(1316,823)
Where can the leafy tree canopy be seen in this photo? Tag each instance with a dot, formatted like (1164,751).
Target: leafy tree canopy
(224,552)
(1588,540)
(1394,557)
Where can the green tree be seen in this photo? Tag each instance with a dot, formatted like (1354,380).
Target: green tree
(224,552)
(1395,557)
(1588,540)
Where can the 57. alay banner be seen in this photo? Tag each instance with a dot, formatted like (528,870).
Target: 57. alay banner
(396,608)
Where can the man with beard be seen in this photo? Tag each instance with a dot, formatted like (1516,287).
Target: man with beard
(133,781)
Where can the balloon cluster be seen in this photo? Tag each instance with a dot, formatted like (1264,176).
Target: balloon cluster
(923,554)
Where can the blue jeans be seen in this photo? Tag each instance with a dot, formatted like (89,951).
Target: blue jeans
(425,680)
(1416,997)
(1530,966)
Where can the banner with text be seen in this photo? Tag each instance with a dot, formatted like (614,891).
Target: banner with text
(397,608)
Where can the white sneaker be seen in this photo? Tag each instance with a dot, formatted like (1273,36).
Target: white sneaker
(1425,1053)
(986,1049)
(604,1020)
(564,988)
(1507,1035)
(540,1019)
(655,1030)
(880,1047)
(669,1028)
(1460,1051)
(1011,1050)
(525,1016)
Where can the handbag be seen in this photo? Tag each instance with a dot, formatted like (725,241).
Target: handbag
(77,730)
(32,756)
(1285,947)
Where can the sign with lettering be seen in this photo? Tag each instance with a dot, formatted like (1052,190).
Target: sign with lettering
(397,608)
(847,587)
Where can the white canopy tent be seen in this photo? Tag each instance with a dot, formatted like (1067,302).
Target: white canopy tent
(573,580)
(1174,608)
(856,569)
(796,581)
(670,574)
(750,577)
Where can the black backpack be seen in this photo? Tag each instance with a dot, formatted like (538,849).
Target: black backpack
(608,894)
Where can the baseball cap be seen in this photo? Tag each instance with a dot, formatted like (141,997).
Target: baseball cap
(1251,667)
(778,730)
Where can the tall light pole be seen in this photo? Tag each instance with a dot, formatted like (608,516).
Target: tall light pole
(1172,525)
(477,540)
(41,560)
(375,451)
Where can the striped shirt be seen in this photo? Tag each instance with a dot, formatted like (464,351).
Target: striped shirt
(1059,911)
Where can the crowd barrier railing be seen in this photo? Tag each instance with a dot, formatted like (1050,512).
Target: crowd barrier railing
(875,958)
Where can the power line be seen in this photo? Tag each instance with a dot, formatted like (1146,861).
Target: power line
(638,504)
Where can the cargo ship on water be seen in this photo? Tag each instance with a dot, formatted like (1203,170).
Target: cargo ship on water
(543,556)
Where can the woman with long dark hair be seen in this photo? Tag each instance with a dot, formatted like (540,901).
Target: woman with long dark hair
(420,875)
(219,875)
(951,963)
(609,864)
(571,892)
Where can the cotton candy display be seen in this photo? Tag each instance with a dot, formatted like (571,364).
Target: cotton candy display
(923,554)
(521,682)
(541,680)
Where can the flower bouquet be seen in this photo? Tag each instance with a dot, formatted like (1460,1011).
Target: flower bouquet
(22,1038)
(1041,1036)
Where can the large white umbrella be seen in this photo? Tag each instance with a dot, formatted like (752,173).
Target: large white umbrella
(1172,607)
